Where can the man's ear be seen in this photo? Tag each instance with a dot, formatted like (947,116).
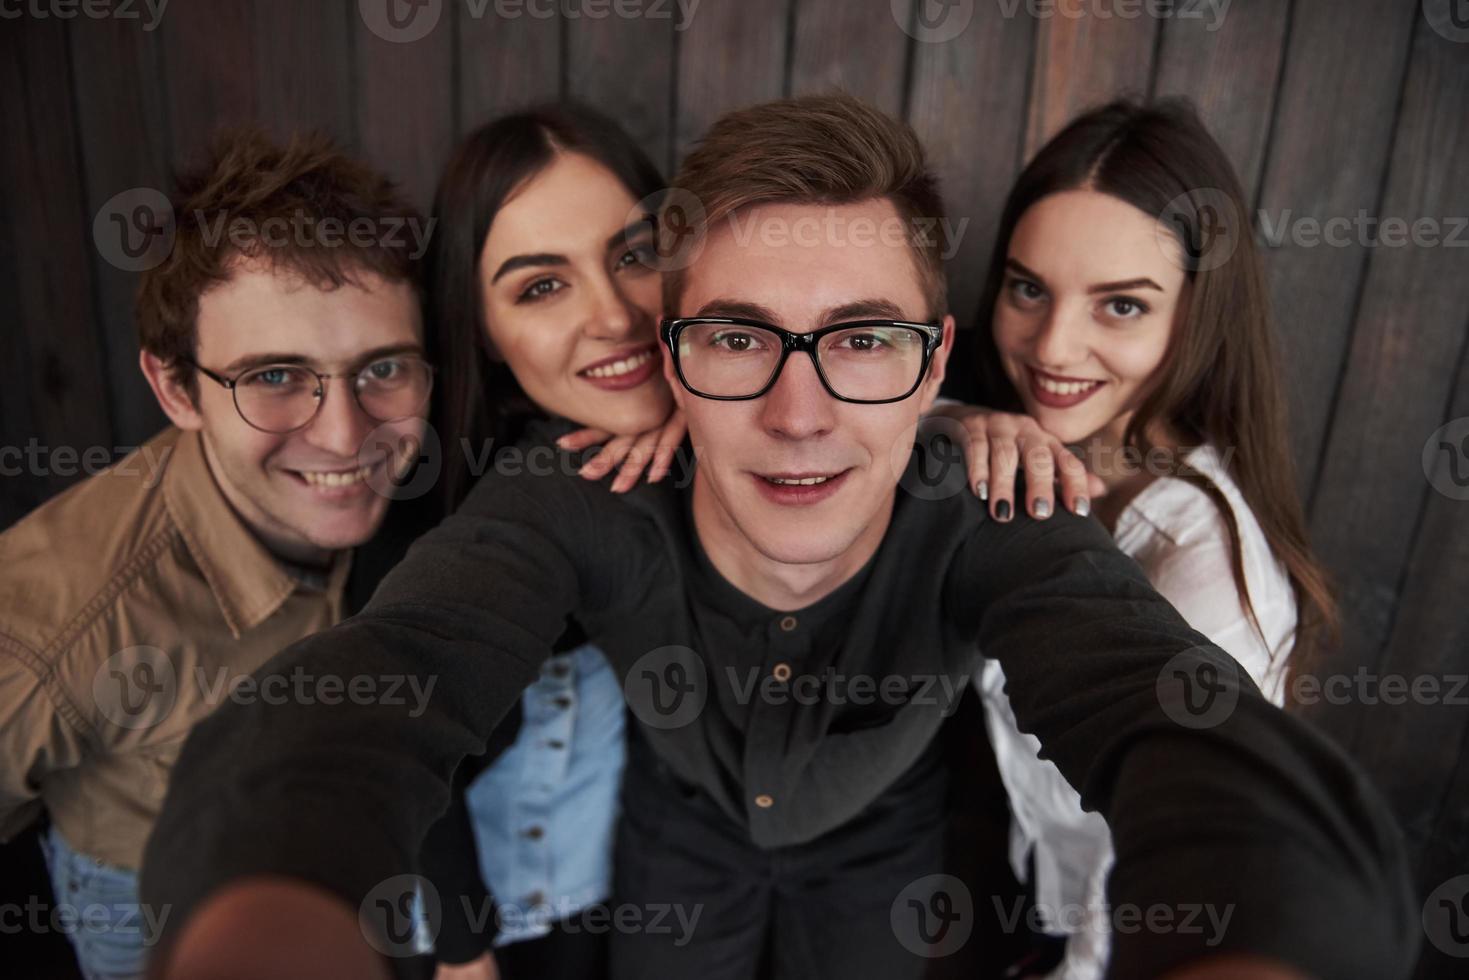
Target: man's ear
(937,367)
(172,396)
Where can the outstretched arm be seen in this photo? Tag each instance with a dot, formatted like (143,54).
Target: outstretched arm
(338,792)
(1219,803)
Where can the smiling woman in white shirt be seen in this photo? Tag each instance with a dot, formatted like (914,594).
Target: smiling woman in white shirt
(1128,319)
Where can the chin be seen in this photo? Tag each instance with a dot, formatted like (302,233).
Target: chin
(1068,425)
(338,531)
(802,547)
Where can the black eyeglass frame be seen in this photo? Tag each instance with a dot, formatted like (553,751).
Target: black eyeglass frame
(933,337)
(232,385)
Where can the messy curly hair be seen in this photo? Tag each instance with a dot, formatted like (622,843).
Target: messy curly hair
(236,206)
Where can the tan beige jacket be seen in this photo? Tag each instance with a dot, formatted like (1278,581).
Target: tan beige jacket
(128,605)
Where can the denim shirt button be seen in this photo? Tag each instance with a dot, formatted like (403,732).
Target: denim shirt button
(535,833)
(563,702)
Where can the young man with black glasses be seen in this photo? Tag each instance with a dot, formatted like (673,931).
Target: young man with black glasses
(791,632)
(131,604)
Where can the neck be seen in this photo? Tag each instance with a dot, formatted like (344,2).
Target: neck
(1125,482)
(777,584)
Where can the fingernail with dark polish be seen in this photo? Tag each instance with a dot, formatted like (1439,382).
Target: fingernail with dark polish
(1042,508)
(1002,510)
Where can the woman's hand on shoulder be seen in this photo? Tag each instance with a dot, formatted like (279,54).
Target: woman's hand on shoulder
(1000,444)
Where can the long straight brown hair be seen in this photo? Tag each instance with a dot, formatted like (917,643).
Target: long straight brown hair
(479,403)
(1219,380)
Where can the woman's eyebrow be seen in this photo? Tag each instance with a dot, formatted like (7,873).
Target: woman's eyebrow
(640,228)
(1142,282)
(1015,265)
(524,261)
(1110,287)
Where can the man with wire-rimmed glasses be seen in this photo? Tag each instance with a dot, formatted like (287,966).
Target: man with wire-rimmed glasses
(132,604)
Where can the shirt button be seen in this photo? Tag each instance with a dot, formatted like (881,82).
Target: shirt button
(562,702)
(764,801)
(781,672)
(788,623)
(535,833)
(555,743)
(534,898)
(560,669)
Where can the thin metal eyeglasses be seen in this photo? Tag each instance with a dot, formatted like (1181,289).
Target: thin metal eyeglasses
(281,398)
(869,362)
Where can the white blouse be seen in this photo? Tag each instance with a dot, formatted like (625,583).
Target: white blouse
(1176,533)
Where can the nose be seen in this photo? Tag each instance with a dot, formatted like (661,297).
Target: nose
(798,406)
(1059,342)
(610,316)
(340,425)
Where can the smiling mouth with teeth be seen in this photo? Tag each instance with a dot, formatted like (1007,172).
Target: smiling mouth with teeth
(624,366)
(805,481)
(1064,387)
(341,479)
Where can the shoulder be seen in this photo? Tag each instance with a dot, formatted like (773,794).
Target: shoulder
(67,565)
(1180,537)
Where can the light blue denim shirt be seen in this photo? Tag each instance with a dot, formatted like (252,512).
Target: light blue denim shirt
(544,813)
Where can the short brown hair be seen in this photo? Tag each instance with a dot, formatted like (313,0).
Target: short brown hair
(246,184)
(816,149)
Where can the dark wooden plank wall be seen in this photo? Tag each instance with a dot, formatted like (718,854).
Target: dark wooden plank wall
(1327,107)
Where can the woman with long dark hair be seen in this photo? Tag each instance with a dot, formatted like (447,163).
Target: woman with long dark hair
(542,299)
(1128,316)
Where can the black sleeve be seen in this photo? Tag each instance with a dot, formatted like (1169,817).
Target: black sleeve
(341,795)
(1219,803)
(451,862)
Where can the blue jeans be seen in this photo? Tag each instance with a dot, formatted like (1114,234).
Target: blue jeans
(97,907)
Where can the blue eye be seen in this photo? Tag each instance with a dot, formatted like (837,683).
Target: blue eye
(274,377)
(383,370)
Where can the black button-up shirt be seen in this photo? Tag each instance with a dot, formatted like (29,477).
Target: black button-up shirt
(1249,810)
